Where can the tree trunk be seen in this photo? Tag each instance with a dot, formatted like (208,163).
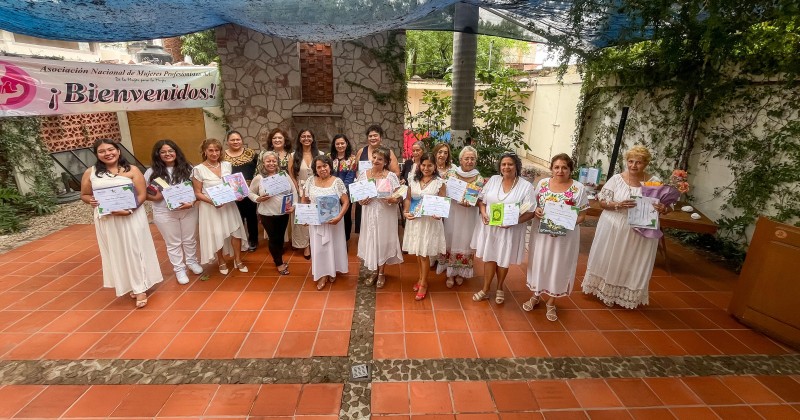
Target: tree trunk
(465,51)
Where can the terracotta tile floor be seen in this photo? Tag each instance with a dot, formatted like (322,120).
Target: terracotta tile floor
(53,306)
(652,398)
(308,402)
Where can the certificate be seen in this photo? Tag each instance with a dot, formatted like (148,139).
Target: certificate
(361,190)
(456,189)
(364,165)
(306,214)
(558,218)
(276,184)
(176,195)
(433,205)
(644,215)
(504,214)
(110,199)
(220,194)
(237,183)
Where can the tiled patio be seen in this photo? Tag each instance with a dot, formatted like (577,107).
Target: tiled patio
(259,344)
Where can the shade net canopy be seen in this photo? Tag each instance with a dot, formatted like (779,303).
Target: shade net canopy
(304,20)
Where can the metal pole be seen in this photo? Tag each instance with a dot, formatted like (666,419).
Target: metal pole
(614,153)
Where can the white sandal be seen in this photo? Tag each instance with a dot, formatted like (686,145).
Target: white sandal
(551,312)
(481,295)
(531,303)
(449,282)
(499,297)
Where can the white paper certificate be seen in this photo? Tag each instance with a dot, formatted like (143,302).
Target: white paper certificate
(510,214)
(275,185)
(456,189)
(644,215)
(561,214)
(220,194)
(177,194)
(363,165)
(116,198)
(306,214)
(433,205)
(360,190)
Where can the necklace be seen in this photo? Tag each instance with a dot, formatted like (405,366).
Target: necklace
(509,191)
(423,184)
(372,173)
(211,166)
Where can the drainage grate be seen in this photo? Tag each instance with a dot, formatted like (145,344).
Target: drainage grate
(359,372)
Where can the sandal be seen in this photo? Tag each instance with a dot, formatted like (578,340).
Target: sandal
(381,281)
(459,280)
(531,303)
(322,282)
(331,280)
(499,297)
(140,303)
(449,282)
(551,312)
(416,287)
(423,291)
(481,295)
(240,265)
(371,279)
(284,271)
(223,269)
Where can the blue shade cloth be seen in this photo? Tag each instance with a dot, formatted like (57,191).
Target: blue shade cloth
(301,20)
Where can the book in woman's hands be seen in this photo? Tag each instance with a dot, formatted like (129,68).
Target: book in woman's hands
(286,203)
(238,184)
(328,207)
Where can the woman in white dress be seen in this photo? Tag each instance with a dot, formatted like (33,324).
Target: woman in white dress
(300,169)
(127,252)
(221,227)
(497,246)
(424,235)
(621,260)
(553,257)
(328,245)
(178,226)
(459,226)
(379,242)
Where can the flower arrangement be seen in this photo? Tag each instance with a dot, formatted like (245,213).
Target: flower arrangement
(668,195)
(678,180)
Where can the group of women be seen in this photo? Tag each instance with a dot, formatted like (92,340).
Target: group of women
(620,260)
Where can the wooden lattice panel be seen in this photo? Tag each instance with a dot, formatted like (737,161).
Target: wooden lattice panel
(70,132)
(316,72)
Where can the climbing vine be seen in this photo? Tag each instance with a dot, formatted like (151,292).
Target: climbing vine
(715,88)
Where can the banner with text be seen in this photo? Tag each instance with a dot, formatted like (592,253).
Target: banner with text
(46,87)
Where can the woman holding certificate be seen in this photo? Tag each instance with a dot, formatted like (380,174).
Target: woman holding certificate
(127,252)
(345,166)
(300,168)
(379,243)
(621,260)
(244,159)
(457,262)
(424,235)
(327,239)
(502,242)
(561,205)
(177,221)
(275,195)
(221,227)
(364,155)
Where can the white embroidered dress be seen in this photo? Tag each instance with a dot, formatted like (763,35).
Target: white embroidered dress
(217,225)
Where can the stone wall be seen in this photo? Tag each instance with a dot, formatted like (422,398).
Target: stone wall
(262,85)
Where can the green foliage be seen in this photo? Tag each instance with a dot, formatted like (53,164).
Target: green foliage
(201,46)
(429,54)
(723,86)
(10,222)
(500,114)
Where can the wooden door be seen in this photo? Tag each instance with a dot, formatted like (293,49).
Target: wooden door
(767,295)
(185,127)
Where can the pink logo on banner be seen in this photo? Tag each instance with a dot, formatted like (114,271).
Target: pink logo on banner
(17,89)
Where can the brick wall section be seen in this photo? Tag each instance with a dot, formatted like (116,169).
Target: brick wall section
(66,132)
(316,73)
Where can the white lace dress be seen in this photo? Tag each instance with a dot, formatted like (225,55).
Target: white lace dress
(424,235)
(127,252)
(552,261)
(620,260)
(328,245)
(217,225)
(505,246)
(379,242)
(458,230)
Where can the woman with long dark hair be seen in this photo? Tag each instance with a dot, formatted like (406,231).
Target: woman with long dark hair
(127,252)
(178,226)
(345,166)
(244,159)
(300,162)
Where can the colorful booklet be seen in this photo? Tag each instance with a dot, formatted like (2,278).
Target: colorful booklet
(238,185)
(471,195)
(286,203)
(328,207)
(416,206)
(506,214)
(384,187)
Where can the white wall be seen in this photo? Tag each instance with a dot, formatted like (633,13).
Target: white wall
(550,121)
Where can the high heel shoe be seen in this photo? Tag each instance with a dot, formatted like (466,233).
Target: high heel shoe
(371,279)
(381,281)
(223,269)
(240,265)
(141,303)
(322,282)
(421,293)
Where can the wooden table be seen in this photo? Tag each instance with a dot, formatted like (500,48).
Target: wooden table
(676,219)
